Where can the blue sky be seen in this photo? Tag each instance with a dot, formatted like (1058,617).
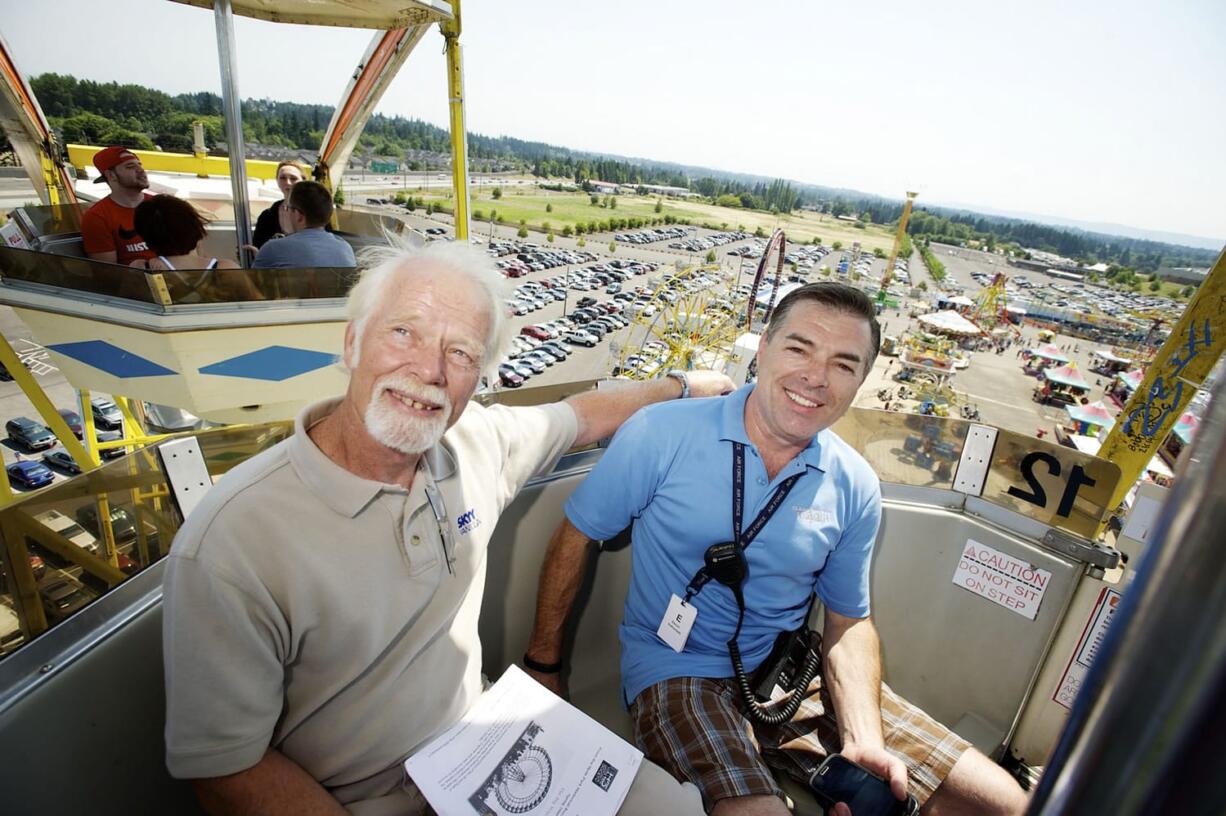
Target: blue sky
(1109,112)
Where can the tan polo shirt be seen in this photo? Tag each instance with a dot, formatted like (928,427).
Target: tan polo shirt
(313,611)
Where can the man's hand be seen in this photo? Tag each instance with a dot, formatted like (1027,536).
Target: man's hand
(881,762)
(709,383)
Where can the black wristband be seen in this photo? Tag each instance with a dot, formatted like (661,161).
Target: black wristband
(543,668)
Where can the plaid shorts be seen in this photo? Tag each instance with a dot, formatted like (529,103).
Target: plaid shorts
(694,728)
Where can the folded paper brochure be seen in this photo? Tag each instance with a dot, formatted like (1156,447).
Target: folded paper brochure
(523,749)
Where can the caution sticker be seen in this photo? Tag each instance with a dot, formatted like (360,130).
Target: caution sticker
(1001,578)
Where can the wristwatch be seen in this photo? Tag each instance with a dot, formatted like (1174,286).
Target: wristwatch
(680,376)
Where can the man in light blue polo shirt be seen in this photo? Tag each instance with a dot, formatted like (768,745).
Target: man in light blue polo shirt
(307,243)
(811,506)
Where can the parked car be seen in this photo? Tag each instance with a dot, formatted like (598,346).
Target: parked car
(29,475)
(580,338)
(59,459)
(11,635)
(509,377)
(123,525)
(106,413)
(57,522)
(73,420)
(61,597)
(111,453)
(535,331)
(534,365)
(29,434)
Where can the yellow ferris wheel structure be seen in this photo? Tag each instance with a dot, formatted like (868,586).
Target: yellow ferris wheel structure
(684,324)
(992,307)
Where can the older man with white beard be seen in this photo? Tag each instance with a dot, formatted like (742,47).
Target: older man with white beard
(321,604)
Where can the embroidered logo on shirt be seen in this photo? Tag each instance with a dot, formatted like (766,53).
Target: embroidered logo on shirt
(813,514)
(469,521)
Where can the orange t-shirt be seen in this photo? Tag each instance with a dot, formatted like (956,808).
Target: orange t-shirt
(109,227)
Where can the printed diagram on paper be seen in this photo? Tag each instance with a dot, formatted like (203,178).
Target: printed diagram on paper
(522,749)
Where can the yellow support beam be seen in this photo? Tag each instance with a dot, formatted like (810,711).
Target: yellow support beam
(83,155)
(459,139)
(1170,382)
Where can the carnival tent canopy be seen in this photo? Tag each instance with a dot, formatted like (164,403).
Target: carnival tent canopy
(1109,356)
(1090,445)
(961,300)
(1049,352)
(948,322)
(1186,427)
(1096,413)
(1068,375)
(1015,308)
(1130,379)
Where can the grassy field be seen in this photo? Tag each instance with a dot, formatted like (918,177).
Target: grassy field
(574,208)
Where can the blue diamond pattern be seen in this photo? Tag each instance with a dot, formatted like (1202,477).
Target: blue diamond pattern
(274,363)
(111,359)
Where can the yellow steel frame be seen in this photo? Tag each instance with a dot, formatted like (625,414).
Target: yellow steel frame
(82,155)
(888,275)
(459,142)
(1181,365)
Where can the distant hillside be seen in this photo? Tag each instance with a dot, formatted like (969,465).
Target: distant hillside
(136,116)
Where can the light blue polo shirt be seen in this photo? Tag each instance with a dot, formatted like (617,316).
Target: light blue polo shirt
(669,471)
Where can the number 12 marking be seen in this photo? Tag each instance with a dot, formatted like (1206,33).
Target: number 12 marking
(1037,495)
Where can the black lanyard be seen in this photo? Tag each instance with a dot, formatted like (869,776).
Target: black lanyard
(745,538)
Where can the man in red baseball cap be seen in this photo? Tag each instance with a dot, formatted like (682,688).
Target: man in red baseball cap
(107,230)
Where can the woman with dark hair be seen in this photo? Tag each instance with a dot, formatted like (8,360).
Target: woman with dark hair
(268,225)
(173,229)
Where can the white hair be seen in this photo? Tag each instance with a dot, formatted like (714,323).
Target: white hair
(383,266)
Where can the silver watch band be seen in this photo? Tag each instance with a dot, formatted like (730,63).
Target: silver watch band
(680,376)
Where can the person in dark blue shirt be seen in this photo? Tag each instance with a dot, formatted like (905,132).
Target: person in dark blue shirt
(306,244)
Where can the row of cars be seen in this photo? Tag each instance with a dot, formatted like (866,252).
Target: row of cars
(29,436)
(534,295)
(541,345)
(710,242)
(516,259)
(650,236)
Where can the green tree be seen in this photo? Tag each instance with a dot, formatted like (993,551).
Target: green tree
(567,231)
(497,193)
(478,215)
(593,200)
(613,246)
(1188,291)
(759,233)
(878,252)
(1155,286)
(582,242)
(659,205)
(338,197)
(549,236)
(710,256)
(546,226)
(612,202)
(923,286)
(523,231)
(548,208)
(836,246)
(816,240)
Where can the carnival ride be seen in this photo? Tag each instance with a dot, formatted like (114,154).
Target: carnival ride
(888,275)
(683,324)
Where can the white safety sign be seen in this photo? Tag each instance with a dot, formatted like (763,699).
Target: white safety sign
(1001,578)
(1087,648)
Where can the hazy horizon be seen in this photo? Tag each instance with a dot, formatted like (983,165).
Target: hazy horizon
(1100,114)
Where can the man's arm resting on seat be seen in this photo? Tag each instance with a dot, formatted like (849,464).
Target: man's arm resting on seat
(602,412)
(274,785)
(565,561)
(105,257)
(853,678)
